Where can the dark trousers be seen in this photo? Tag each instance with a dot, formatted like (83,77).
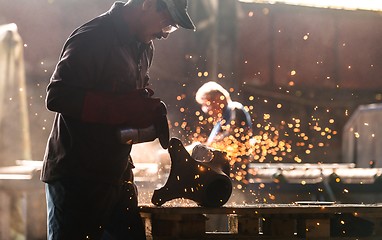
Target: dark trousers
(93,210)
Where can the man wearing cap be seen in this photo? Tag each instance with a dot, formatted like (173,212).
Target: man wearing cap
(99,86)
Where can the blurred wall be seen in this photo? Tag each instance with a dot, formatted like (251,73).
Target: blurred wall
(309,68)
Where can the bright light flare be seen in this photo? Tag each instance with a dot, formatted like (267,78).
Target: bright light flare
(373,5)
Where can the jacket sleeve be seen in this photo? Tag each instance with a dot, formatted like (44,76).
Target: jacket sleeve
(71,89)
(74,75)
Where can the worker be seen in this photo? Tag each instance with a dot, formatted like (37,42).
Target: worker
(100,85)
(231,120)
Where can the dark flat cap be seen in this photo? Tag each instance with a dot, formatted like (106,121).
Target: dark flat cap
(178,11)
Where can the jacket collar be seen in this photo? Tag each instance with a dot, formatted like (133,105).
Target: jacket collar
(121,27)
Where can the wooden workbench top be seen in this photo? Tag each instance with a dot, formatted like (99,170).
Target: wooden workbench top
(306,207)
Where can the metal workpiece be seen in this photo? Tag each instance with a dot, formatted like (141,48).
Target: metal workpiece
(202,182)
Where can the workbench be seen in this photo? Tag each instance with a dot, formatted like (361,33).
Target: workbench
(22,202)
(307,220)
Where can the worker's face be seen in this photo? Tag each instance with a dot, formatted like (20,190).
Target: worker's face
(157,22)
(214,105)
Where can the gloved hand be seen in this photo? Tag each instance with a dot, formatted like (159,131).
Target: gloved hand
(158,130)
(161,127)
(140,110)
(136,109)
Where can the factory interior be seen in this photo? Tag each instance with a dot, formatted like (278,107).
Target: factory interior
(308,73)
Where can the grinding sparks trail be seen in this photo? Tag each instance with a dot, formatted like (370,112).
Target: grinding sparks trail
(291,139)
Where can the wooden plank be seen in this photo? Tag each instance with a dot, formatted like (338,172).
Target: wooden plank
(22,203)
(278,225)
(268,221)
(369,209)
(5,220)
(317,228)
(247,225)
(36,214)
(174,226)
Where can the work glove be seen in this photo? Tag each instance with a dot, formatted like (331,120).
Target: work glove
(136,109)
(158,130)
(141,109)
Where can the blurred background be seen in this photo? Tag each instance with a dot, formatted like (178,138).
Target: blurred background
(310,75)
(288,64)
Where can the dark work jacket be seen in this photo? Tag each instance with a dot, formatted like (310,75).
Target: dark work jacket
(98,56)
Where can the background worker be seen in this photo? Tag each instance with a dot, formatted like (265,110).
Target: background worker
(232,129)
(231,120)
